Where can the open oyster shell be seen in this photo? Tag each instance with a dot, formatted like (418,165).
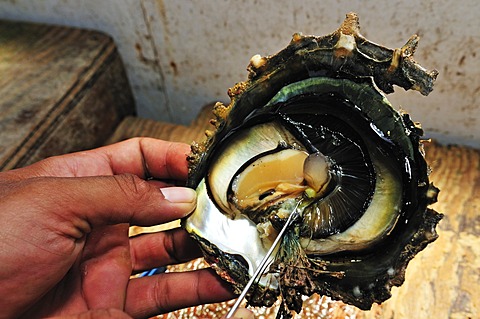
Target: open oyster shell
(312,131)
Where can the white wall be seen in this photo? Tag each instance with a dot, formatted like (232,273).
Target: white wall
(181,55)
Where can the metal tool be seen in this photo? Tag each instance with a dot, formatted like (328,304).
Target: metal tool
(261,268)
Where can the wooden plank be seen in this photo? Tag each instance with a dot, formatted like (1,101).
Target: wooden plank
(133,126)
(62,90)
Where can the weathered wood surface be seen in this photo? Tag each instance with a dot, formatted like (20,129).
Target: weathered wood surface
(133,126)
(442,282)
(61,90)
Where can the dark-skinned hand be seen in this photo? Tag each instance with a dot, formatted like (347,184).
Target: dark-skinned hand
(64,244)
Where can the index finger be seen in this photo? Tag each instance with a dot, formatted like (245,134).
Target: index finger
(147,157)
(142,156)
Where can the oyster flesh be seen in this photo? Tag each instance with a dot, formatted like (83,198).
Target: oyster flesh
(311,130)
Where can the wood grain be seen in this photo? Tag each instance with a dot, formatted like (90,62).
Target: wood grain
(133,126)
(62,90)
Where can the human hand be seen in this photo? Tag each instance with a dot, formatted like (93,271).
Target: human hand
(64,245)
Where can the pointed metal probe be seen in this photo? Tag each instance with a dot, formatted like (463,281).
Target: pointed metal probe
(261,268)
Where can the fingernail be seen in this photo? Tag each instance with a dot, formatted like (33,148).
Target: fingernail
(179,194)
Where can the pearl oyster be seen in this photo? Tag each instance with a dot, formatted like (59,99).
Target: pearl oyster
(311,130)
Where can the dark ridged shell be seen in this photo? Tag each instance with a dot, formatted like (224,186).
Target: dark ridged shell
(366,275)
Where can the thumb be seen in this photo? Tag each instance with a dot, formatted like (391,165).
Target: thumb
(105,200)
(98,314)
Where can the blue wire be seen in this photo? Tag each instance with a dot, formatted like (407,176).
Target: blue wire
(152,272)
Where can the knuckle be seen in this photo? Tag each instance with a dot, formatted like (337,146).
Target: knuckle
(162,292)
(169,244)
(133,187)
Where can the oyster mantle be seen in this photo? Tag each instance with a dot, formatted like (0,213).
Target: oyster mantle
(364,204)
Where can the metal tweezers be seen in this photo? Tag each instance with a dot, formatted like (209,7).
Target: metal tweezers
(261,268)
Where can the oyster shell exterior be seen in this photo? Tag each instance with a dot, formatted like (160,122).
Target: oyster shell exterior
(311,130)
